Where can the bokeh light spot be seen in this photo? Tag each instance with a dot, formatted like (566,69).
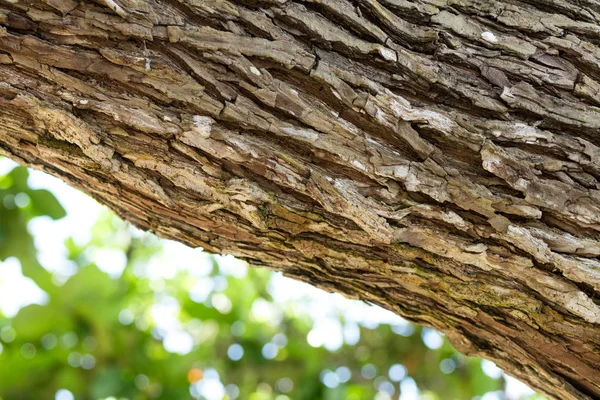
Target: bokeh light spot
(235,352)
(7,334)
(432,339)
(126,317)
(447,366)
(88,361)
(142,382)
(397,372)
(49,341)
(28,351)
(269,351)
(232,391)
(368,371)
(344,374)
(69,340)
(490,369)
(64,394)
(74,359)
(238,328)
(330,379)
(194,375)
(285,385)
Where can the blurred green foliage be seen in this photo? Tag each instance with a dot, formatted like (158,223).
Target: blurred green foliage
(98,337)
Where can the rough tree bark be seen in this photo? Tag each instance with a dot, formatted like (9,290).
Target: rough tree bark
(440,158)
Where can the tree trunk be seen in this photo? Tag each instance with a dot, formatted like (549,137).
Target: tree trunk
(439,158)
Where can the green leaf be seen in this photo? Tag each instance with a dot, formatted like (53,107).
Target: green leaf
(44,203)
(19,177)
(34,321)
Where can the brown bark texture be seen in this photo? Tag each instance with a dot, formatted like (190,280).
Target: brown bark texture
(440,158)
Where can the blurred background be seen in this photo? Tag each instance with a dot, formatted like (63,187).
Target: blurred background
(92,308)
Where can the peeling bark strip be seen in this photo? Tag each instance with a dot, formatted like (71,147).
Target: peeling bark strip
(440,158)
